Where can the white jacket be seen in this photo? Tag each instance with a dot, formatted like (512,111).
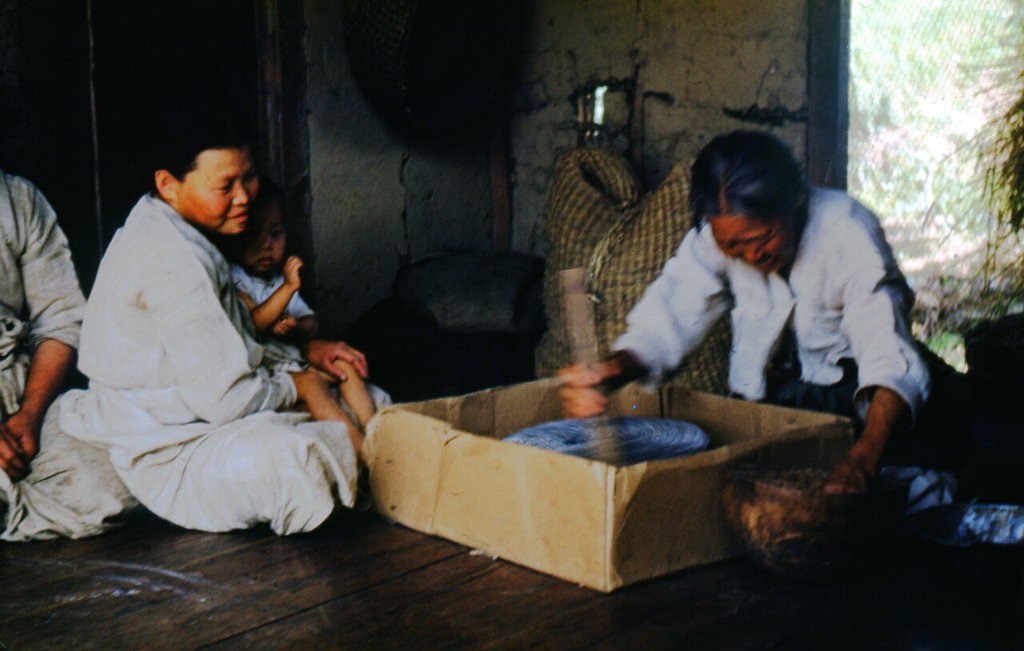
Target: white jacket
(845,293)
(182,396)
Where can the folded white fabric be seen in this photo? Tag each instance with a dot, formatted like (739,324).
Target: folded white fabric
(926,488)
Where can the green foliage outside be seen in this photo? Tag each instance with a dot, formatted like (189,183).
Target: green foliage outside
(930,82)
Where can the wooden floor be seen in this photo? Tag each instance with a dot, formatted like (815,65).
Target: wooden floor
(360,583)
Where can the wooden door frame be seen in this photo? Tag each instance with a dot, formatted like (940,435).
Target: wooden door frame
(284,133)
(828,74)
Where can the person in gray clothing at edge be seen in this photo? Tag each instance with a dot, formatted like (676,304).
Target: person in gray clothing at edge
(51,484)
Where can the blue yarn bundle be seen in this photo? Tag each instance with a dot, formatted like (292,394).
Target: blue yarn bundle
(636,439)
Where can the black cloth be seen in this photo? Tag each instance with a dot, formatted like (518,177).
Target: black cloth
(785,388)
(941,435)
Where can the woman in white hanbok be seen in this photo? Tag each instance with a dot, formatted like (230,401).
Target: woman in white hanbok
(198,424)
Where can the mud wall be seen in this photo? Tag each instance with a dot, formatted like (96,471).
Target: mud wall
(380,197)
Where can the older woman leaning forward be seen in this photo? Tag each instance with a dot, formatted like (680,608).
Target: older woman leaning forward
(818,306)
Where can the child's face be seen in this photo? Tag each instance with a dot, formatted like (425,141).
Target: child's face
(263,250)
(215,195)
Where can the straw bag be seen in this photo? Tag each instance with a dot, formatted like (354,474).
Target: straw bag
(623,240)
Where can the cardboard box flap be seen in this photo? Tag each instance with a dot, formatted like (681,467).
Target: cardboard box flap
(727,420)
(495,413)
(664,519)
(806,447)
(658,504)
(406,449)
(636,400)
(524,503)
(523,406)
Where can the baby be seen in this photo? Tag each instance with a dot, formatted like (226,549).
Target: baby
(268,284)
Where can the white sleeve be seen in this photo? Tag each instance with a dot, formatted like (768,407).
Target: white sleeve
(298,308)
(676,311)
(52,294)
(874,321)
(242,280)
(208,358)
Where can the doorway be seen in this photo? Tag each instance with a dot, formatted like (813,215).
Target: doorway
(144,53)
(81,81)
(929,81)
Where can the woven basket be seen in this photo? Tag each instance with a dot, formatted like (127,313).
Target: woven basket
(590,192)
(624,242)
(628,259)
(430,66)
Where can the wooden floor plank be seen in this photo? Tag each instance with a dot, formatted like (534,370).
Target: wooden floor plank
(229,591)
(757,621)
(462,602)
(134,559)
(359,582)
(678,602)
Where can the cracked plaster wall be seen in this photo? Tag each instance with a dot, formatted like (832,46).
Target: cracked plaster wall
(688,58)
(379,198)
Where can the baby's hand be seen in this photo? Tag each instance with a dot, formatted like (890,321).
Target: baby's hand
(292,267)
(284,325)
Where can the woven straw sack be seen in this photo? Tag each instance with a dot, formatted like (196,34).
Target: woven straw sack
(590,192)
(596,218)
(631,255)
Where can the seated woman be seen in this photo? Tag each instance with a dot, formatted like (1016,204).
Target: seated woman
(819,308)
(196,420)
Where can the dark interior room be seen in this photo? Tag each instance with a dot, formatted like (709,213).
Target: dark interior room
(496,207)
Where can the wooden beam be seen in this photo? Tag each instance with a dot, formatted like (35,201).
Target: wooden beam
(501,191)
(828,59)
(284,134)
(269,88)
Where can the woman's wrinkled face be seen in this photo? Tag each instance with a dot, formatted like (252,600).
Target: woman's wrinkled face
(214,196)
(766,244)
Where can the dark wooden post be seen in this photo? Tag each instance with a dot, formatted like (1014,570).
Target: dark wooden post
(284,134)
(828,72)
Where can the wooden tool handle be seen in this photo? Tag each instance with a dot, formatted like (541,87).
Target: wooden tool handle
(579,315)
(579,321)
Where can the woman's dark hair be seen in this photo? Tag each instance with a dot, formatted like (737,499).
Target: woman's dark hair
(184,130)
(749,173)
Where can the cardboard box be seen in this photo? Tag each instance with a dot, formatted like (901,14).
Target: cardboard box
(438,467)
